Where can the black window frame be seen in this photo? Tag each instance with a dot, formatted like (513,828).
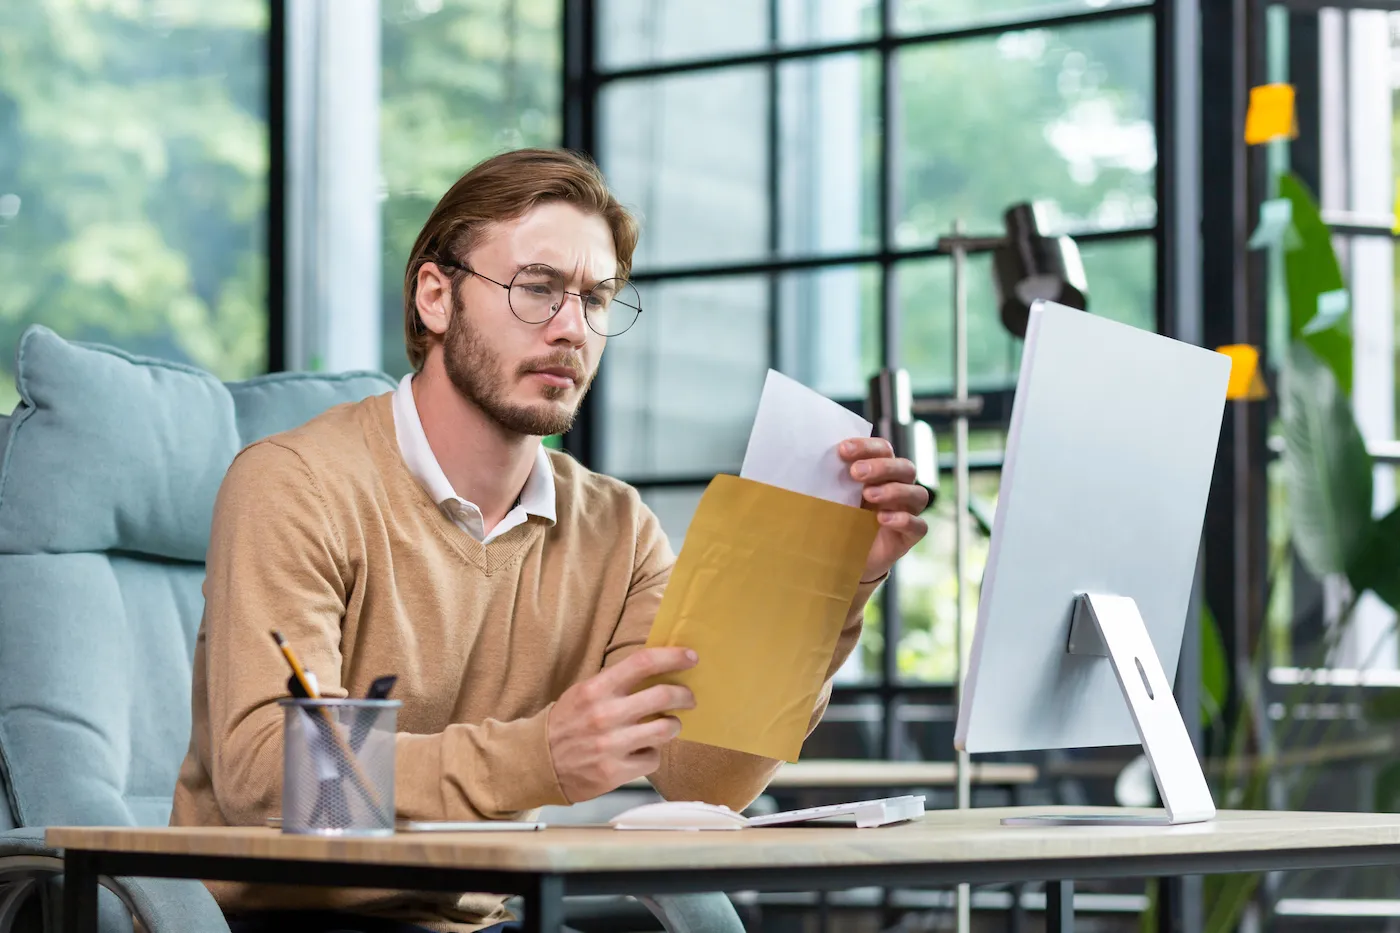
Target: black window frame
(583,81)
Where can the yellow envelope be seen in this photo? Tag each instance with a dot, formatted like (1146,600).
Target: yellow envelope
(760,590)
(1270,114)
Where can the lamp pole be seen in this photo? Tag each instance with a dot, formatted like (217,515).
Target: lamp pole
(957,246)
(1027,266)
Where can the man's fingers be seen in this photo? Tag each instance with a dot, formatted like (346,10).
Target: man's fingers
(643,763)
(645,664)
(647,735)
(911,527)
(861,448)
(897,497)
(661,698)
(883,470)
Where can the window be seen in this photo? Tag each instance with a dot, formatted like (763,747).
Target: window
(791,197)
(461,81)
(133,179)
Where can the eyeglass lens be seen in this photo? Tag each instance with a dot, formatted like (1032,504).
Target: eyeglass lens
(538,292)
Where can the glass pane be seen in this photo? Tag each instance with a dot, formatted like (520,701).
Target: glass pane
(1060,116)
(458,73)
(926,327)
(675,507)
(864,664)
(1360,51)
(633,33)
(829,155)
(689,153)
(133,180)
(823,22)
(829,328)
(931,15)
(928,584)
(679,390)
(1122,277)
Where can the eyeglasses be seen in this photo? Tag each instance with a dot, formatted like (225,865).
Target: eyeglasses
(536,293)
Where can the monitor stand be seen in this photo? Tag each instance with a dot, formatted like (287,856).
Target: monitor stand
(1112,627)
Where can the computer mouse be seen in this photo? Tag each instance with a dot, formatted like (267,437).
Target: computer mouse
(679,814)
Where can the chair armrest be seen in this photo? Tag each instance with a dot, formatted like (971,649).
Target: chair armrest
(161,905)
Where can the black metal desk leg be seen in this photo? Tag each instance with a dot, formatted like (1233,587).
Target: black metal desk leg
(1059,907)
(544,906)
(79,892)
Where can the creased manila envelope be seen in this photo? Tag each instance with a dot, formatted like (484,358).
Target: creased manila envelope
(760,590)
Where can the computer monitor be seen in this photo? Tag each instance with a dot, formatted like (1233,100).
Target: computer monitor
(1093,551)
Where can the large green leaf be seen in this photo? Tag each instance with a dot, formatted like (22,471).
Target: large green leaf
(1376,566)
(1215,675)
(1327,471)
(1311,269)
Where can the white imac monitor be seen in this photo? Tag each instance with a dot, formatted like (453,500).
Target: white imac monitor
(1093,551)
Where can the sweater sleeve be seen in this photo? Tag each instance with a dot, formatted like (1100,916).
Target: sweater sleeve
(277,560)
(690,770)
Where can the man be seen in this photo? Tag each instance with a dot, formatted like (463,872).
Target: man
(428,533)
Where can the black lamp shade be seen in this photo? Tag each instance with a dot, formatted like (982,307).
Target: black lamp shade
(1031,266)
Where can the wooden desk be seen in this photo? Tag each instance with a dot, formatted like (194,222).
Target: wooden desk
(945,847)
(860,773)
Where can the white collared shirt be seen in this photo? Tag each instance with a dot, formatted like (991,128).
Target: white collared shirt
(537,498)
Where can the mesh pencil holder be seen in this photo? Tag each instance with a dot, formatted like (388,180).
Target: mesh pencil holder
(338,767)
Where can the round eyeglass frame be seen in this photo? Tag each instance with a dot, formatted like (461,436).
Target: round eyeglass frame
(581,296)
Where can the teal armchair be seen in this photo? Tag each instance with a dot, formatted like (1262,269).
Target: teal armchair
(109,468)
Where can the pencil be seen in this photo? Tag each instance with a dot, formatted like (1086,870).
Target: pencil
(361,781)
(295,665)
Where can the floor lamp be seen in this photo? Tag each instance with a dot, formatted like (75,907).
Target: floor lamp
(1026,265)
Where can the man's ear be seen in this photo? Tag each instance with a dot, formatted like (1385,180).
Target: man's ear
(434,297)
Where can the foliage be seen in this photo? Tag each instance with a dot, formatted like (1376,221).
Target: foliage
(462,80)
(1311,270)
(1328,476)
(133,159)
(134,137)
(1058,116)
(1326,467)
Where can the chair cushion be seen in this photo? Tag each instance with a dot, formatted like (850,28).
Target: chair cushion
(108,473)
(110,451)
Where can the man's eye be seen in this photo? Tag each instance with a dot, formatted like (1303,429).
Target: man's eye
(538,288)
(594,301)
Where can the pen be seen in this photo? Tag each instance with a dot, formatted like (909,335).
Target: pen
(299,674)
(364,720)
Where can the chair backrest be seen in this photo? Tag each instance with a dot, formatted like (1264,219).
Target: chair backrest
(108,472)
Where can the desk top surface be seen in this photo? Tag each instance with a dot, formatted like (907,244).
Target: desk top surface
(948,837)
(857,773)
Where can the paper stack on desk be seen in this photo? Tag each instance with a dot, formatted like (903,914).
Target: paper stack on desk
(764,581)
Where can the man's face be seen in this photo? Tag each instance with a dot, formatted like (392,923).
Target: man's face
(529,378)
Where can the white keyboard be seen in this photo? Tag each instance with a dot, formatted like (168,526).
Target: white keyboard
(867,813)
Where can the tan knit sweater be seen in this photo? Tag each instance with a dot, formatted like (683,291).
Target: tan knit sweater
(323,533)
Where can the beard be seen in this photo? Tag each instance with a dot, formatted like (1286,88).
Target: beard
(479,376)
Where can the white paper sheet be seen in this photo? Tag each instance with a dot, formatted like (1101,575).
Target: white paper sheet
(794,438)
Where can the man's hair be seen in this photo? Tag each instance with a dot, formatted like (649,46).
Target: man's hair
(503,188)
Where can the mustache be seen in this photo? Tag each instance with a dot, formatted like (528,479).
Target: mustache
(568,361)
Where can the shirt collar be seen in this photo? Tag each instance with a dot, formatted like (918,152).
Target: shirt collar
(536,498)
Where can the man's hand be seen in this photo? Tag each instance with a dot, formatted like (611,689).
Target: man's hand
(598,738)
(891,492)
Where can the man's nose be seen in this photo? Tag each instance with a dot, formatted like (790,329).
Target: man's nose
(568,322)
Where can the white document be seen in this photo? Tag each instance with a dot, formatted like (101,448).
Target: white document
(794,438)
